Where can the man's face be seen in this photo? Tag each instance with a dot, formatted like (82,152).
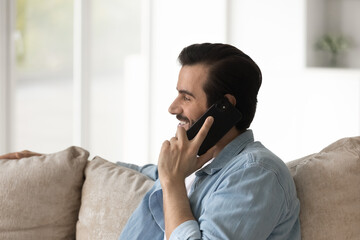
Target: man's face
(191,102)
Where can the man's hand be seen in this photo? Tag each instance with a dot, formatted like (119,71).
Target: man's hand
(178,157)
(18,155)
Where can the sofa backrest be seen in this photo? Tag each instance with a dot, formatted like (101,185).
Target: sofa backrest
(40,196)
(328,187)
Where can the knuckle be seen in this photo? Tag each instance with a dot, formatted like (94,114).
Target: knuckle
(166,143)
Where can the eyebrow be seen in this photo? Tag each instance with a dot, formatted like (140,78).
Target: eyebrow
(186,92)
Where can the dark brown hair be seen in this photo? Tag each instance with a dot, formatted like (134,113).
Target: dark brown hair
(230,72)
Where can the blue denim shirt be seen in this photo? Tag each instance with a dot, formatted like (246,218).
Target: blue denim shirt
(245,193)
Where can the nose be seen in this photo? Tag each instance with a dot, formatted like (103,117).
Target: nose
(174,107)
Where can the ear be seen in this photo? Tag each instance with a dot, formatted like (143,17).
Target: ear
(231,98)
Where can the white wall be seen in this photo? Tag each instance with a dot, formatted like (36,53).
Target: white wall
(300,110)
(177,24)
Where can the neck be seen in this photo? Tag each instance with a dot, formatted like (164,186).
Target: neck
(231,135)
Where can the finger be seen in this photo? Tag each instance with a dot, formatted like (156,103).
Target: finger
(19,155)
(199,138)
(9,156)
(173,140)
(165,144)
(163,151)
(26,154)
(181,133)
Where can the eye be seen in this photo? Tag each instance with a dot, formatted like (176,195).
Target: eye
(186,98)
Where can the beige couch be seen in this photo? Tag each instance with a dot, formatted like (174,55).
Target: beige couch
(65,196)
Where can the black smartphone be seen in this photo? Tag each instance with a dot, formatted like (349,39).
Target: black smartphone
(225,117)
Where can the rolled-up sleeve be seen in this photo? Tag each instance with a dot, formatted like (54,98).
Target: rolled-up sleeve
(187,230)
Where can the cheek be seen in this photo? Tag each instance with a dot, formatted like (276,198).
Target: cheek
(196,114)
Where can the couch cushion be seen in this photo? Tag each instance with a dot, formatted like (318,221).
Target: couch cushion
(40,196)
(110,195)
(328,186)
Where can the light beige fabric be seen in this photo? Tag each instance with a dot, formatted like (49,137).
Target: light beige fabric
(110,195)
(328,186)
(40,196)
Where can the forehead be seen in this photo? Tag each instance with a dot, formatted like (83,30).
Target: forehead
(192,78)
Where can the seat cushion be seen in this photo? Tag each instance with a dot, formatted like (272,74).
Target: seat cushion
(328,186)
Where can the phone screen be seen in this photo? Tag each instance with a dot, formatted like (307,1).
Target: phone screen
(225,117)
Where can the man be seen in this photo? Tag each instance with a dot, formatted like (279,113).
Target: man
(245,192)
(238,189)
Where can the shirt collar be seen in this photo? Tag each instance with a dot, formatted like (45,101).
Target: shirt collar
(228,153)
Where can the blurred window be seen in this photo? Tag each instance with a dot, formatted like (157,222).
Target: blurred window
(43,75)
(44,84)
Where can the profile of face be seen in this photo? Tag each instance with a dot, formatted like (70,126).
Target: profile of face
(191,102)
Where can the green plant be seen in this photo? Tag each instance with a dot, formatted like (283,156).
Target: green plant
(333,45)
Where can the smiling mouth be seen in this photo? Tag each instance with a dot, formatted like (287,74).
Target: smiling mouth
(184,122)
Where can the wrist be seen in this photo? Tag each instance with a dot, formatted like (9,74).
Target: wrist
(171,183)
